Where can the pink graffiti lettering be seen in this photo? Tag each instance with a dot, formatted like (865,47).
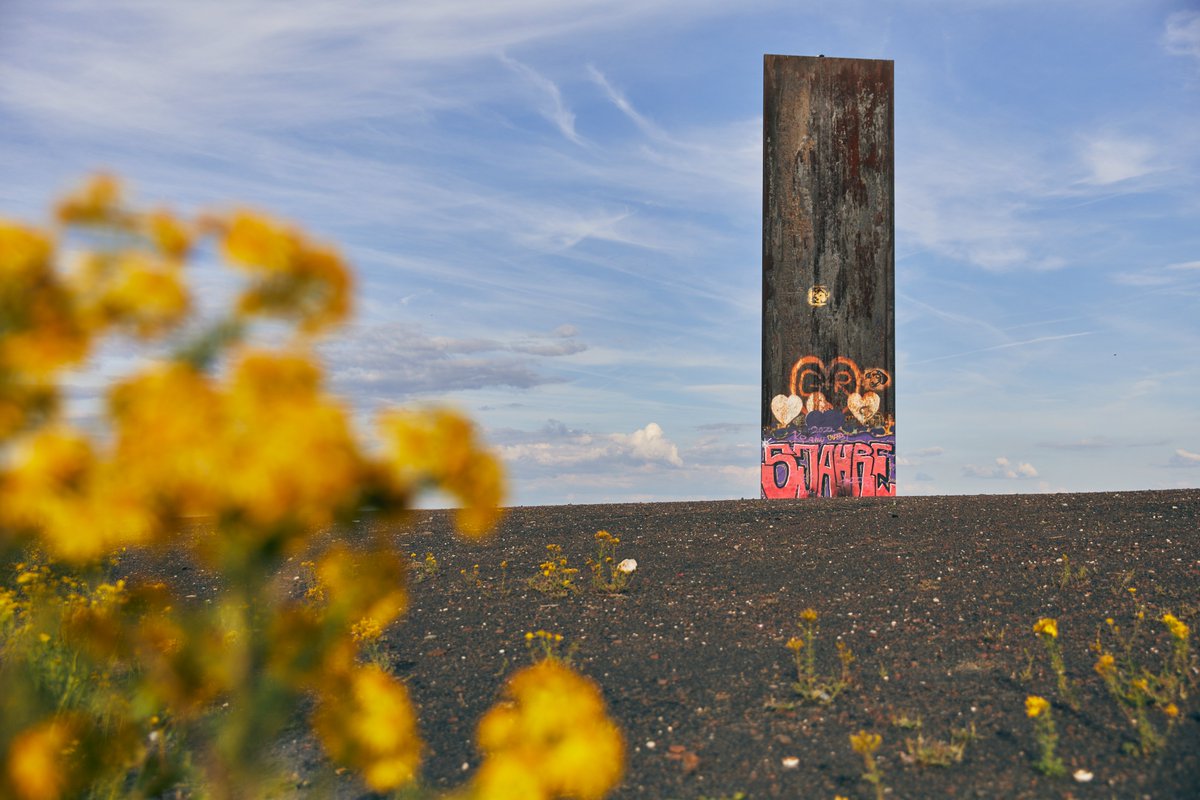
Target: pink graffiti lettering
(858,469)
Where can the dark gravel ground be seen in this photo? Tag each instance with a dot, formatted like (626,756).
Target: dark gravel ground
(935,596)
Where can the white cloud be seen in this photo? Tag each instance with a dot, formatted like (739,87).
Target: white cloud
(1114,159)
(1182,36)
(1002,469)
(136,66)
(650,444)
(967,195)
(561,447)
(1185,458)
(552,107)
(396,361)
(1157,276)
(721,158)
(618,99)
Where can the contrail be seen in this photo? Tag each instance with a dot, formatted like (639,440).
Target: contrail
(1003,346)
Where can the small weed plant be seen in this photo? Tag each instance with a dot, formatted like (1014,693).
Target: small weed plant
(555,577)
(906,722)
(1067,577)
(811,685)
(470,577)
(544,645)
(1046,629)
(423,569)
(925,751)
(1046,735)
(866,744)
(1144,694)
(609,574)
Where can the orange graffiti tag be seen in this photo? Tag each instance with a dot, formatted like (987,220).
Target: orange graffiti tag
(811,378)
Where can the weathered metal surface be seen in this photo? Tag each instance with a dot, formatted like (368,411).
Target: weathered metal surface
(828,390)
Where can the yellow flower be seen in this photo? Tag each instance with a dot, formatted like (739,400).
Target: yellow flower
(42,330)
(296,278)
(552,726)
(1105,665)
(509,777)
(37,761)
(1047,626)
(366,721)
(170,236)
(59,489)
(97,201)
(865,743)
(366,629)
(795,643)
(288,453)
(809,615)
(1171,710)
(367,588)
(132,289)
(25,254)
(256,242)
(1177,628)
(1035,706)
(170,429)
(439,447)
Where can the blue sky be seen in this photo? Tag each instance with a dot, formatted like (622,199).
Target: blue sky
(555,208)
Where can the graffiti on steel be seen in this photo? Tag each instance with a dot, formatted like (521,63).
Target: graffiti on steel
(834,438)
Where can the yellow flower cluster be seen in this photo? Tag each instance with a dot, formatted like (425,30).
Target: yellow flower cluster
(1046,626)
(38,763)
(554,577)
(551,738)
(265,446)
(439,447)
(1035,706)
(865,743)
(246,439)
(547,645)
(366,630)
(1178,629)
(366,720)
(294,277)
